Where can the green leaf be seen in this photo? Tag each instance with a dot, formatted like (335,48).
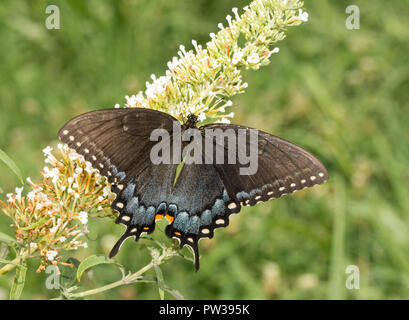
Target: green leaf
(178,171)
(6,238)
(93,261)
(68,274)
(161,282)
(18,282)
(10,163)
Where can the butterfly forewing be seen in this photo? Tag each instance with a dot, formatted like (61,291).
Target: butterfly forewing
(115,141)
(283,168)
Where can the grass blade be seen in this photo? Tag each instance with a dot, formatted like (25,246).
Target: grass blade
(10,163)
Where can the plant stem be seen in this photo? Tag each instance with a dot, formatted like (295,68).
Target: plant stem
(126,280)
(167,253)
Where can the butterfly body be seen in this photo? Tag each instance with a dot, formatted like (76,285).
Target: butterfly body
(204,194)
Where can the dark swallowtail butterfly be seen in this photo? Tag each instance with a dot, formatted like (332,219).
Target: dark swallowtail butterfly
(202,197)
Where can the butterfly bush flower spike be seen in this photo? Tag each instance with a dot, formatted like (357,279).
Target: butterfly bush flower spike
(54,215)
(200,79)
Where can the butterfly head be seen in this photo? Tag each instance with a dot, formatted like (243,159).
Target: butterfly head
(191,121)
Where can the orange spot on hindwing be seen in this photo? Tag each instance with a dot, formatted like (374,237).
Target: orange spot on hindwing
(169,218)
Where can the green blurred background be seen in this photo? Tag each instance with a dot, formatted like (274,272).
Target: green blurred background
(342,94)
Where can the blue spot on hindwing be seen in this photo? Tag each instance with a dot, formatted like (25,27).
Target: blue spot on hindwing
(162,208)
(128,192)
(149,216)
(132,206)
(113,169)
(194,225)
(181,221)
(266,188)
(206,218)
(139,216)
(254,193)
(173,209)
(226,197)
(121,175)
(219,208)
(242,196)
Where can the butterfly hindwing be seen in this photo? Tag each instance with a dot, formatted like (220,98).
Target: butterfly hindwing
(203,205)
(142,200)
(194,206)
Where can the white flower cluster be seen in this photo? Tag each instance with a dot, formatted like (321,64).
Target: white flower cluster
(83,217)
(55,203)
(302,15)
(157,87)
(200,81)
(11,197)
(51,254)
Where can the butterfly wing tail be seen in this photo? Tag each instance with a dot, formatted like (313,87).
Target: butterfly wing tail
(128,233)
